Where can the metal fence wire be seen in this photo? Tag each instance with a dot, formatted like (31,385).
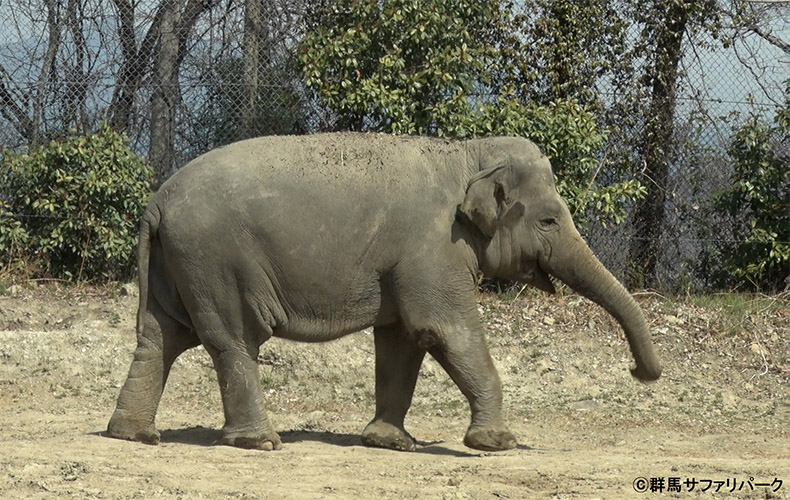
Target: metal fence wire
(176,77)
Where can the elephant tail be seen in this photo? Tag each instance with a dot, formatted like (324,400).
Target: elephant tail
(149,227)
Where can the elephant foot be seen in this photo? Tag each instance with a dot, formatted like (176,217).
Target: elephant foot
(481,438)
(121,427)
(379,434)
(267,441)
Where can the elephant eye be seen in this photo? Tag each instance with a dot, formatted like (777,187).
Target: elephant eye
(548,223)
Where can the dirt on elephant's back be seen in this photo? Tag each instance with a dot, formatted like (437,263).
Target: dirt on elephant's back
(715,424)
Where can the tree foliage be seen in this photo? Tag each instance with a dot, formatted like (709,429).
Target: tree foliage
(565,49)
(757,254)
(72,207)
(410,67)
(401,66)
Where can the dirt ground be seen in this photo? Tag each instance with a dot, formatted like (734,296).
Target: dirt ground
(715,425)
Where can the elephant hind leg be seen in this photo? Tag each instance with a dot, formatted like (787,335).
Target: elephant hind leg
(160,341)
(398,361)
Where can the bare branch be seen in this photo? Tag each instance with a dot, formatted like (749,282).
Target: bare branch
(749,63)
(136,62)
(770,38)
(752,19)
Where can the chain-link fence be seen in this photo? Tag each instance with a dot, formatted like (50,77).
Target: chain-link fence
(180,77)
(67,63)
(720,89)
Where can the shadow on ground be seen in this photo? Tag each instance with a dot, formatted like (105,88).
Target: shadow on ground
(205,436)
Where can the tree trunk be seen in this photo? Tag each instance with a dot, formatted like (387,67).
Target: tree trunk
(77,84)
(252,31)
(176,23)
(658,144)
(161,154)
(10,108)
(53,24)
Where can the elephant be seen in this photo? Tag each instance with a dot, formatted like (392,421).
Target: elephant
(310,238)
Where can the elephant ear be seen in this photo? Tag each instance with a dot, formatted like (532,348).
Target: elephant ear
(486,200)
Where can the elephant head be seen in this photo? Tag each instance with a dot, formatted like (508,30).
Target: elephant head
(526,234)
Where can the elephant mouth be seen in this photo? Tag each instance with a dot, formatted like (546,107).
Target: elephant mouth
(537,277)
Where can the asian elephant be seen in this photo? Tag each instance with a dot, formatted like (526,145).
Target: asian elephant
(312,238)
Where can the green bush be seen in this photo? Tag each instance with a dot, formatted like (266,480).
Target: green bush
(72,207)
(756,254)
(13,239)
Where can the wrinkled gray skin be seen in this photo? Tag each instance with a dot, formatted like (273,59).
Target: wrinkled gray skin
(312,238)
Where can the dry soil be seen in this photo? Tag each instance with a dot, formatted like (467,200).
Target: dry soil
(715,425)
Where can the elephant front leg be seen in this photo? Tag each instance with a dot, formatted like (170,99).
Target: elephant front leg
(246,423)
(437,306)
(463,353)
(398,361)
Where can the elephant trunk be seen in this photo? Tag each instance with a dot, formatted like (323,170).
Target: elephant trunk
(573,262)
